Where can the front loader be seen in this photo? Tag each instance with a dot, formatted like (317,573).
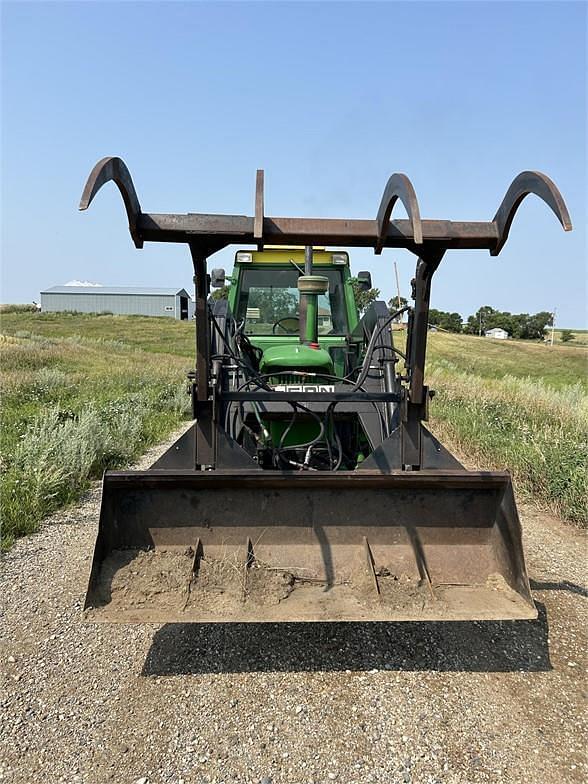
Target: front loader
(308,487)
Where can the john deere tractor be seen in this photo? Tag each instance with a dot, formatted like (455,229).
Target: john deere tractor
(308,487)
(295,328)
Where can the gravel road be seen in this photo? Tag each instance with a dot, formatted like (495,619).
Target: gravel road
(456,703)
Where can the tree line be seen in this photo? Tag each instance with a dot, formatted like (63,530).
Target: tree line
(522,326)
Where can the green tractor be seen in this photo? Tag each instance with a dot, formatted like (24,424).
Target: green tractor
(296,328)
(308,487)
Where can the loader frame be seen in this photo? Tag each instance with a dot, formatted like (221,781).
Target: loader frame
(206,534)
(409,448)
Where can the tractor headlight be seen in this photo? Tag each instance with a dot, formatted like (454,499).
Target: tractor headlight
(339,258)
(244,258)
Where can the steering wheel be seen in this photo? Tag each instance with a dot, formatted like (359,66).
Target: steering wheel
(290,325)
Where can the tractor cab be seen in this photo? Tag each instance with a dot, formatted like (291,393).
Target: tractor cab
(267,303)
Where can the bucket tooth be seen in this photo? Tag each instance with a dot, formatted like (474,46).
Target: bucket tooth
(198,554)
(421,561)
(371,568)
(248,563)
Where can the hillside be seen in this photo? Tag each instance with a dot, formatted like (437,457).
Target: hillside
(81,393)
(557,366)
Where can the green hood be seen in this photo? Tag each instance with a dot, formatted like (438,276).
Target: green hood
(296,356)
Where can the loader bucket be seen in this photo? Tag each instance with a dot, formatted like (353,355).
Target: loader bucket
(184,546)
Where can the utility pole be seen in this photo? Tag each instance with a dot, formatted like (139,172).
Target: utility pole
(397,287)
(552,325)
(480,330)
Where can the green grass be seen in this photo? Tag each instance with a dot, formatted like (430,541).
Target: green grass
(537,432)
(73,406)
(516,405)
(15,308)
(557,366)
(81,393)
(580,337)
(155,335)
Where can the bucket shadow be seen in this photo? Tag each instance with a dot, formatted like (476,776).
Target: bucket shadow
(561,585)
(481,646)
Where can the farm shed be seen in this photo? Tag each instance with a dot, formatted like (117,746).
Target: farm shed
(497,333)
(120,300)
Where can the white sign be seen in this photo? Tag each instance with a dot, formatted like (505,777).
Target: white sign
(305,388)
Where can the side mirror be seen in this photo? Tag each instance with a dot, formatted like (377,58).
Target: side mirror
(365,280)
(217,278)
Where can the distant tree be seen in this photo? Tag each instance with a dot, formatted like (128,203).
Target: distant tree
(516,324)
(480,321)
(363,297)
(222,293)
(452,322)
(529,327)
(521,326)
(393,305)
(566,335)
(537,324)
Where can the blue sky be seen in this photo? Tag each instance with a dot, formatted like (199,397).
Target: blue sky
(329,98)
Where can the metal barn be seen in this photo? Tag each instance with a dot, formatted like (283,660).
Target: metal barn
(120,300)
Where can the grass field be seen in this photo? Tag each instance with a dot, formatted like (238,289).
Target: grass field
(155,335)
(81,393)
(517,405)
(73,406)
(580,337)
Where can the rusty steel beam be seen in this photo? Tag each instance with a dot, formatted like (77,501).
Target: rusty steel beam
(231,229)
(213,232)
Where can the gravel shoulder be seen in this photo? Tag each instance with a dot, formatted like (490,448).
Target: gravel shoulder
(399,702)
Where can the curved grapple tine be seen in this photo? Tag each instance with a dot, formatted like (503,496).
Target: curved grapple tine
(398,187)
(111,168)
(523,184)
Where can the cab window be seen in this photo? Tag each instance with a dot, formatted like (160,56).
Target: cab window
(269,302)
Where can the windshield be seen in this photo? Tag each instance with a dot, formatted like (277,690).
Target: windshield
(269,302)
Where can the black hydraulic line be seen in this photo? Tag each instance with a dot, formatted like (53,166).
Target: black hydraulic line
(382,396)
(308,444)
(393,349)
(259,378)
(370,349)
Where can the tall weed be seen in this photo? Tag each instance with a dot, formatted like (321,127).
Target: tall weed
(60,452)
(539,433)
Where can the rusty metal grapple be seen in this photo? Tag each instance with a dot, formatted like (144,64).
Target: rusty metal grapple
(308,487)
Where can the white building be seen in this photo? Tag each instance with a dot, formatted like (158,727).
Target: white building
(119,300)
(497,333)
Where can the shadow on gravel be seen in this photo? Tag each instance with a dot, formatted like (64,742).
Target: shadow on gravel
(481,646)
(562,585)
